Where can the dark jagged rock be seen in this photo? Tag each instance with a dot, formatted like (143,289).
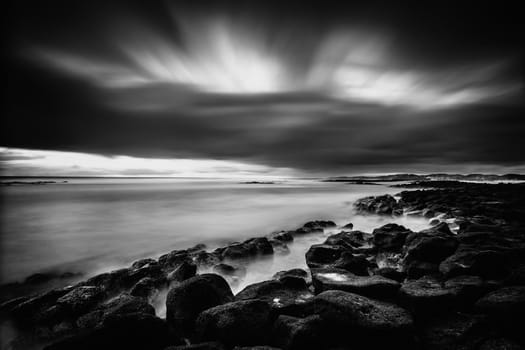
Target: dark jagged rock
(142,262)
(225,269)
(144,288)
(292,333)
(372,323)
(249,248)
(297,273)
(244,322)
(187,299)
(30,310)
(382,205)
(349,226)
(283,236)
(337,279)
(390,237)
(288,296)
(121,305)
(427,295)
(322,224)
(432,245)
(349,240)
(184,271)
(473,260)
(334,256)
(81,299)
(174,258)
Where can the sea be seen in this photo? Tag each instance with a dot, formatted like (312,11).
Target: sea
(87,226)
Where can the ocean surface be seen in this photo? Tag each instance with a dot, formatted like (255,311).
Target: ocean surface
(90,226)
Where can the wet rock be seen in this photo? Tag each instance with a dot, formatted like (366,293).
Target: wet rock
(390,273)
(319,224)
(249,248)
(184,271)
(32,309)
(371,323)
(225,269)
(298,273)
(427,295)
(390,237)
(244,322)
(320,255)
(111,282)
(337,279)
(287,296)
(80,300)
(471,260)
(121,305)
(349,226)
(142,262)
(257,347)
(283,236)
(349,240)
(291,333)
(382,205)
(144,288)
(174,259)
(187,299)
(206,258)
(432,245)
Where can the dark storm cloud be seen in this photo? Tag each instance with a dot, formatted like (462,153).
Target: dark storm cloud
(79,92)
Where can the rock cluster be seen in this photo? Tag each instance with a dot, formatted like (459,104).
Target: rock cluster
(392,288)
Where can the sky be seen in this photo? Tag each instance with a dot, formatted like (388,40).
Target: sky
(251,88)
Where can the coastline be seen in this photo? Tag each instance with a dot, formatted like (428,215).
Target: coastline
(402,276)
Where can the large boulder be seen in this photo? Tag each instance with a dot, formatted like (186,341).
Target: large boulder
(335,256)
(364,322)
(382,205)
(244,322)
(390,237)
(189,298)
(121,305)
(290,295)
(432,245)
(77,302)
(292,333)
(474,260)
(248,248)
(427,295)
(337,279)
(185,270)
(349,240)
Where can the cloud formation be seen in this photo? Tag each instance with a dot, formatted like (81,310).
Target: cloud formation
(323,89)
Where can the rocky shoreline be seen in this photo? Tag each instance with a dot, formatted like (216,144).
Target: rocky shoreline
(457,285)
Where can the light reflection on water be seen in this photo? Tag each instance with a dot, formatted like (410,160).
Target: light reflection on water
(95,225)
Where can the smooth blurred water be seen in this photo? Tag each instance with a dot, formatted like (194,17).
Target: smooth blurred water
(95,225)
